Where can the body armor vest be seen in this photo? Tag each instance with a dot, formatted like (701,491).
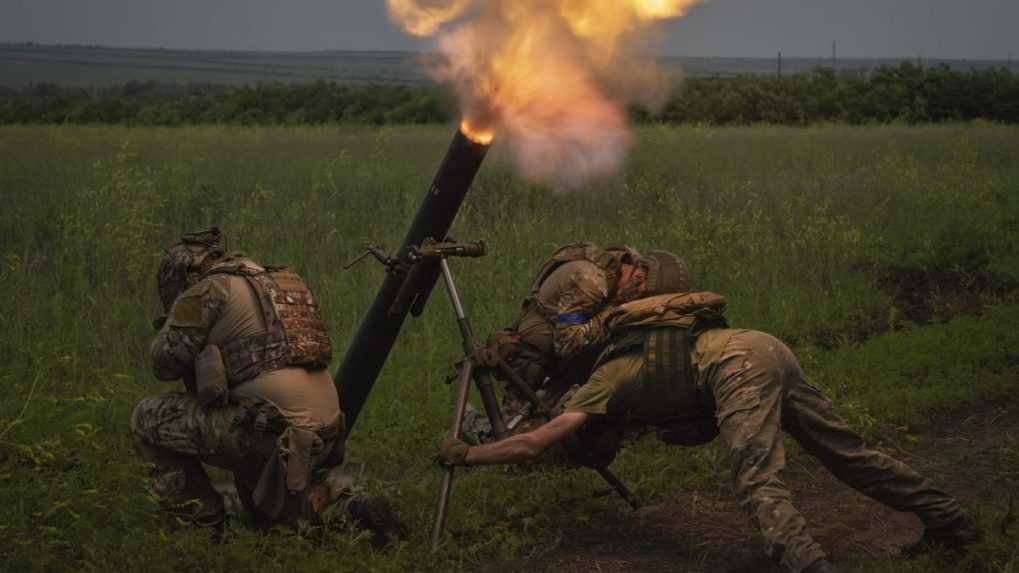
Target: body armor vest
(295,333)
(663,328)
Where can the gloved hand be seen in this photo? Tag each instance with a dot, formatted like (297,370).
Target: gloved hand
(453,452)
(501,346)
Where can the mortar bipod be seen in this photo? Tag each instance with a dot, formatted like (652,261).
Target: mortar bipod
(440,252)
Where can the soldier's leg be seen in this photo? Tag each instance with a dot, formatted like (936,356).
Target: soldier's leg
(748,390)
(176,434)
(811,419)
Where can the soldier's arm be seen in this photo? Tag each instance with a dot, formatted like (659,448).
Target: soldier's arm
(581,312)
(186,330)
(527,446)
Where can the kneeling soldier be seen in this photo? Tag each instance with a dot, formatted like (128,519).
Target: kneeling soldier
(252,348)
(673,364)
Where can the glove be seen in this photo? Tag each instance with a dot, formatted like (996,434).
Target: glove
(501,346)
(453,452)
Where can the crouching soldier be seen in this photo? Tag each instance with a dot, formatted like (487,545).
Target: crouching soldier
(548,347)
(674,365)
(250,344)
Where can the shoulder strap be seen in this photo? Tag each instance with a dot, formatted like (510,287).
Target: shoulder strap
(235,264)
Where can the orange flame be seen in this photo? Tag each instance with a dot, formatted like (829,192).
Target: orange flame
(551,77)
(483,136)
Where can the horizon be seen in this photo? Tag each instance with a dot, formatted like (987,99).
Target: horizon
(791,56)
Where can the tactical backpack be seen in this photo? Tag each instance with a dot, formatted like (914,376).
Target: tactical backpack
(295,332)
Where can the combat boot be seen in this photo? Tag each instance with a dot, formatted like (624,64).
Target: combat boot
(375,514)
(954,537)
(821,566)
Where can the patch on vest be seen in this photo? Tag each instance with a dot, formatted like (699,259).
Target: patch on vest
(188,310)
(572,318)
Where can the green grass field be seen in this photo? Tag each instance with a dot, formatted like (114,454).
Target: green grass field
(869,249)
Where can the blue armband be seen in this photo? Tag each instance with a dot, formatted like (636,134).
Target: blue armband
(572,318)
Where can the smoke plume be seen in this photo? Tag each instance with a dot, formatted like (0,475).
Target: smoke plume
(551,79)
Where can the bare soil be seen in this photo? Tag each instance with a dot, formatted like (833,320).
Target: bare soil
(703,530)
(921,297)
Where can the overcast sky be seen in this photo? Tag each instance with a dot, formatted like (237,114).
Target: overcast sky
(867,28)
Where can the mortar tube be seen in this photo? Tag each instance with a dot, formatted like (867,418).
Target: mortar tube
(377,334)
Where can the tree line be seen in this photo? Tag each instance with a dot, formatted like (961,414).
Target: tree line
(905,93)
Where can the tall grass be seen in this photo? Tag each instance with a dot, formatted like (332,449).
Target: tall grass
(794,226)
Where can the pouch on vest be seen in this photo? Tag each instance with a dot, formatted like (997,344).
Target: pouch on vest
(210,376)
(669,372)
(287,471)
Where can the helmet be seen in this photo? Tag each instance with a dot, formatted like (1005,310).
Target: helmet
(184,262)
(664,273)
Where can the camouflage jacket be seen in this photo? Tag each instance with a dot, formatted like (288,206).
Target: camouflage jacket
(573,303)
(187,327)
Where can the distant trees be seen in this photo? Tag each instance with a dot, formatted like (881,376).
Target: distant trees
(151,103)
(904,93)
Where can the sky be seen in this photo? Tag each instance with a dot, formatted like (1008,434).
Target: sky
(965,29)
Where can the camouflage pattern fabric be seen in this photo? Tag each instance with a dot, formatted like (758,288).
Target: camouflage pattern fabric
(759,389)
(579,310)
(755,388)
(561,317)
(554,321)
(184,334)
(476,428)
(295,334)
(181,264)
(176,434)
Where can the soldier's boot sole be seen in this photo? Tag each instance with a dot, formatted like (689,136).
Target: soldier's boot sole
(955,537)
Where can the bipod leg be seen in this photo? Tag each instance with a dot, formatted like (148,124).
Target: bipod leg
(619,486)
(484,379)
(463,391)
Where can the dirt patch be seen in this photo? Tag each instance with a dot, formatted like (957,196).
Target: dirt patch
(703,530)
(921,297)
(924,296)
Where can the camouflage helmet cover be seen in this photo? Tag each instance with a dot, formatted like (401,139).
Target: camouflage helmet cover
(665,273)
(182,264)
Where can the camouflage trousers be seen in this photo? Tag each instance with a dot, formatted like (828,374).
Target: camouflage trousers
(177,435)
(758,390)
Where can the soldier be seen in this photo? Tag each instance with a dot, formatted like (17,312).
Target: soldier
(550,346)
(252,348)
(674,365)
